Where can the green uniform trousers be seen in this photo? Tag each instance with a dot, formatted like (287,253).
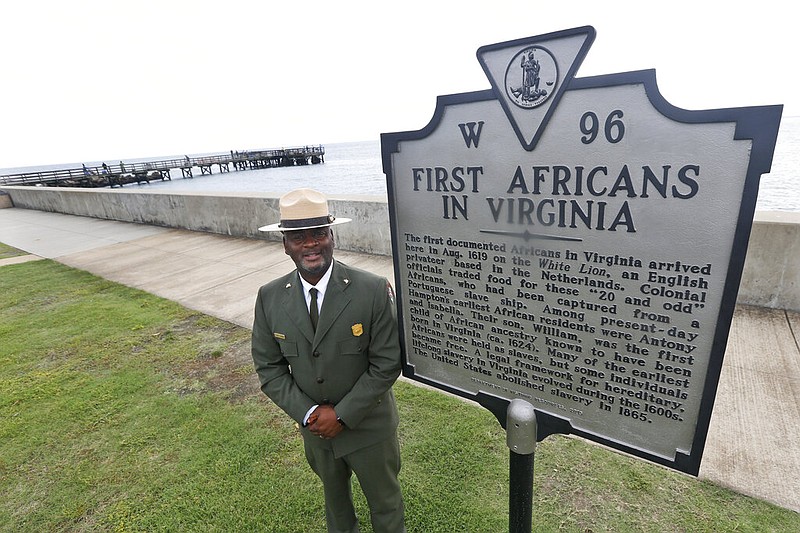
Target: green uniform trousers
(376,468)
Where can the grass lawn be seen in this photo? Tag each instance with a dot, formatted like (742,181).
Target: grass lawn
(121,411)
(7,251)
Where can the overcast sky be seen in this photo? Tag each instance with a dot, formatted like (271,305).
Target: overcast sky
(109,80)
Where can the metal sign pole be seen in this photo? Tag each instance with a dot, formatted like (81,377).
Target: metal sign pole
(521,441)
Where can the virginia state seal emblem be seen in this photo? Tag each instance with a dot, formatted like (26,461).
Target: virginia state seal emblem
(531,77)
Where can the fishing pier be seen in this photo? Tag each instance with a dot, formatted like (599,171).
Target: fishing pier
(144,172)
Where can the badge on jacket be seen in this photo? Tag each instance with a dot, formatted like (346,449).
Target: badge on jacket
(358,329)
(279,335)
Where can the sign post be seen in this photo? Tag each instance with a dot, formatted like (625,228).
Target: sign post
(576,243)
(521,440)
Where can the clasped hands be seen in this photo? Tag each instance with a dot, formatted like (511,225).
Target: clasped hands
(324,423)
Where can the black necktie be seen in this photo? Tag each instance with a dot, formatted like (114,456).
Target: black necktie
(314,308)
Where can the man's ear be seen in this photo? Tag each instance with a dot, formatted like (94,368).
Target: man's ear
(333,238)
(285,248)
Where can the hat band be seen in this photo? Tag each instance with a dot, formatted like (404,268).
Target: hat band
(306,222)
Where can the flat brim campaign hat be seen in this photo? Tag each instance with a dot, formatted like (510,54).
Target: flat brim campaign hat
(304,209)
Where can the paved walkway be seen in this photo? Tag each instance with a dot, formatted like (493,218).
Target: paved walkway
(754,440)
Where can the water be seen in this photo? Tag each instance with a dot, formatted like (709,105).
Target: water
(355,168)
(780,189)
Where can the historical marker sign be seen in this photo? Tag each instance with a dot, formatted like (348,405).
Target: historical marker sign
(578,243)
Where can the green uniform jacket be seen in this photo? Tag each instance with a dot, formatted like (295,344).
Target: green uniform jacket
(351,362)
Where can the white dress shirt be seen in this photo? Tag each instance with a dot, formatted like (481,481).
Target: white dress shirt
(322,287)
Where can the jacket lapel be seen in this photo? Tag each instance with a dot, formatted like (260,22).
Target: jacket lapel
(336,299)
(295,305)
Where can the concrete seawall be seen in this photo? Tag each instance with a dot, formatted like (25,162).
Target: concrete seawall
(239,215)
(772,268)
(771,276)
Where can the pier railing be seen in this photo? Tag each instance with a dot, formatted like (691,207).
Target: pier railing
(122,173)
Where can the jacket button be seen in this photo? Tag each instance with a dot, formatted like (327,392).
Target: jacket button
(326,401)
(320,380)
(315,354)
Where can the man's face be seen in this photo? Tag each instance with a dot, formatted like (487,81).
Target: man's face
(311,250)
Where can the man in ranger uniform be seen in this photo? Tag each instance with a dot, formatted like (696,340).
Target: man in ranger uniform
(326,350)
